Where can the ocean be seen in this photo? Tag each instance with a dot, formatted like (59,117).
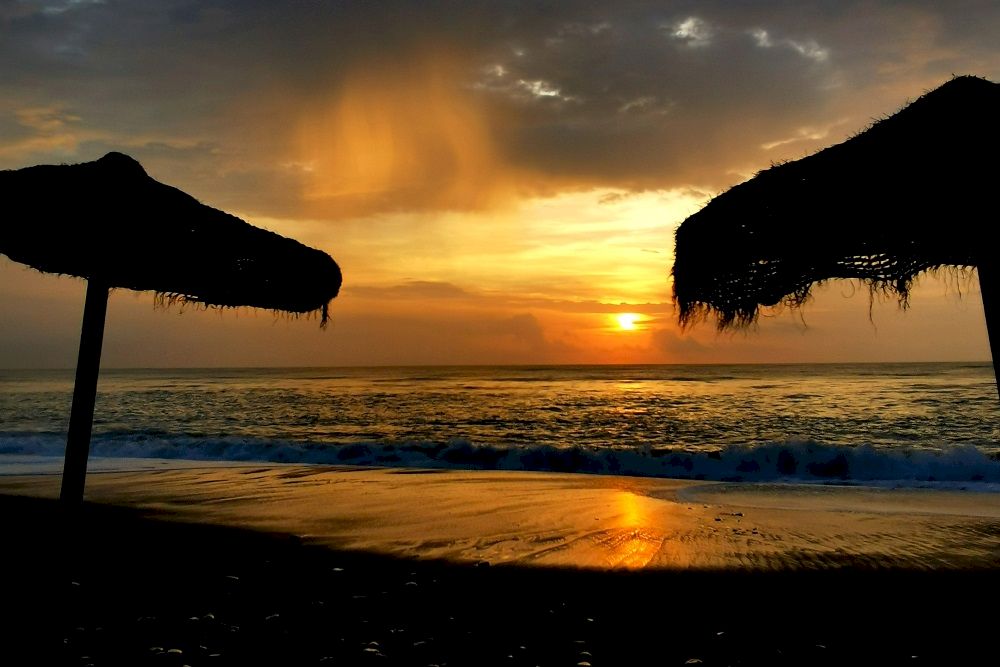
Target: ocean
(873,424)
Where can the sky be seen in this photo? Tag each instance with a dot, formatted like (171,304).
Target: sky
(499,181)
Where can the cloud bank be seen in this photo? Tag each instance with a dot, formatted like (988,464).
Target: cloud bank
(334,109)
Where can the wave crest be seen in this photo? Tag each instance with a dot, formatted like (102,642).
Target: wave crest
(788,461)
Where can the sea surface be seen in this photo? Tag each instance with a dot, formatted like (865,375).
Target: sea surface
(889,424)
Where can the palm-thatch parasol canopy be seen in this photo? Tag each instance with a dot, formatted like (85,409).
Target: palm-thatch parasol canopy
(107,221)
(913,192)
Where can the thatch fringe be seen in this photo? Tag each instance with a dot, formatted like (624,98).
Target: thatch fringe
(165,301)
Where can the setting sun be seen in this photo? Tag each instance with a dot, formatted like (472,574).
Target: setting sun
(627,321)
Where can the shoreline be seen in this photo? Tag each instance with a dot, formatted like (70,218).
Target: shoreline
(295,565)
(565,519)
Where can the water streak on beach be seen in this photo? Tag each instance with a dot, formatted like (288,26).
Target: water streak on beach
(909,424)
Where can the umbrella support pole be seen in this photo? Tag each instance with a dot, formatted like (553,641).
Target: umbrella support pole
(989,284)
(81,419)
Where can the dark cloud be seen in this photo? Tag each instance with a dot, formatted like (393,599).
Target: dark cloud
(588,306)
(444,338)
(519,97)
(427,291)
(677,345)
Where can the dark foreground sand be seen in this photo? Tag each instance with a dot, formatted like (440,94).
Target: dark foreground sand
(135,584)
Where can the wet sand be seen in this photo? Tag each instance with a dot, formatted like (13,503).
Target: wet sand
(573,520)
(307,565)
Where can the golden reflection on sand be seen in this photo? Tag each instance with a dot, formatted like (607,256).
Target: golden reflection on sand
(632,543)
(553,519)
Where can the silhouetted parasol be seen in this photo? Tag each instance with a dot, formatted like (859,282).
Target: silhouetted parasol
(110,223)
(914,192)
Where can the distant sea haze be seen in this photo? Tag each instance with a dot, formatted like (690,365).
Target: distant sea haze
(884,424)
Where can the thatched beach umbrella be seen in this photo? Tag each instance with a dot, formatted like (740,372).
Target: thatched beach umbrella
(914,192)
(110,223)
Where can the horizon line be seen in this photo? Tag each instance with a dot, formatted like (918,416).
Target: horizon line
(511,365)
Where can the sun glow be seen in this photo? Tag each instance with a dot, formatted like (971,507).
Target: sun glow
(627,321)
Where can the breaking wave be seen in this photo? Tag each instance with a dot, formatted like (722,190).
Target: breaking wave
(804,461)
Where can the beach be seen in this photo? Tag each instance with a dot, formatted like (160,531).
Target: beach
(290,564)
(480,334)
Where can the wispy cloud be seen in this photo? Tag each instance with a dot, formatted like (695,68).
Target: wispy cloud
(691,31)
(44,130)
(804,134)
(55,8)
(808,48)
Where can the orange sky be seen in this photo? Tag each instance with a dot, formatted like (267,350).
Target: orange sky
(499,184)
